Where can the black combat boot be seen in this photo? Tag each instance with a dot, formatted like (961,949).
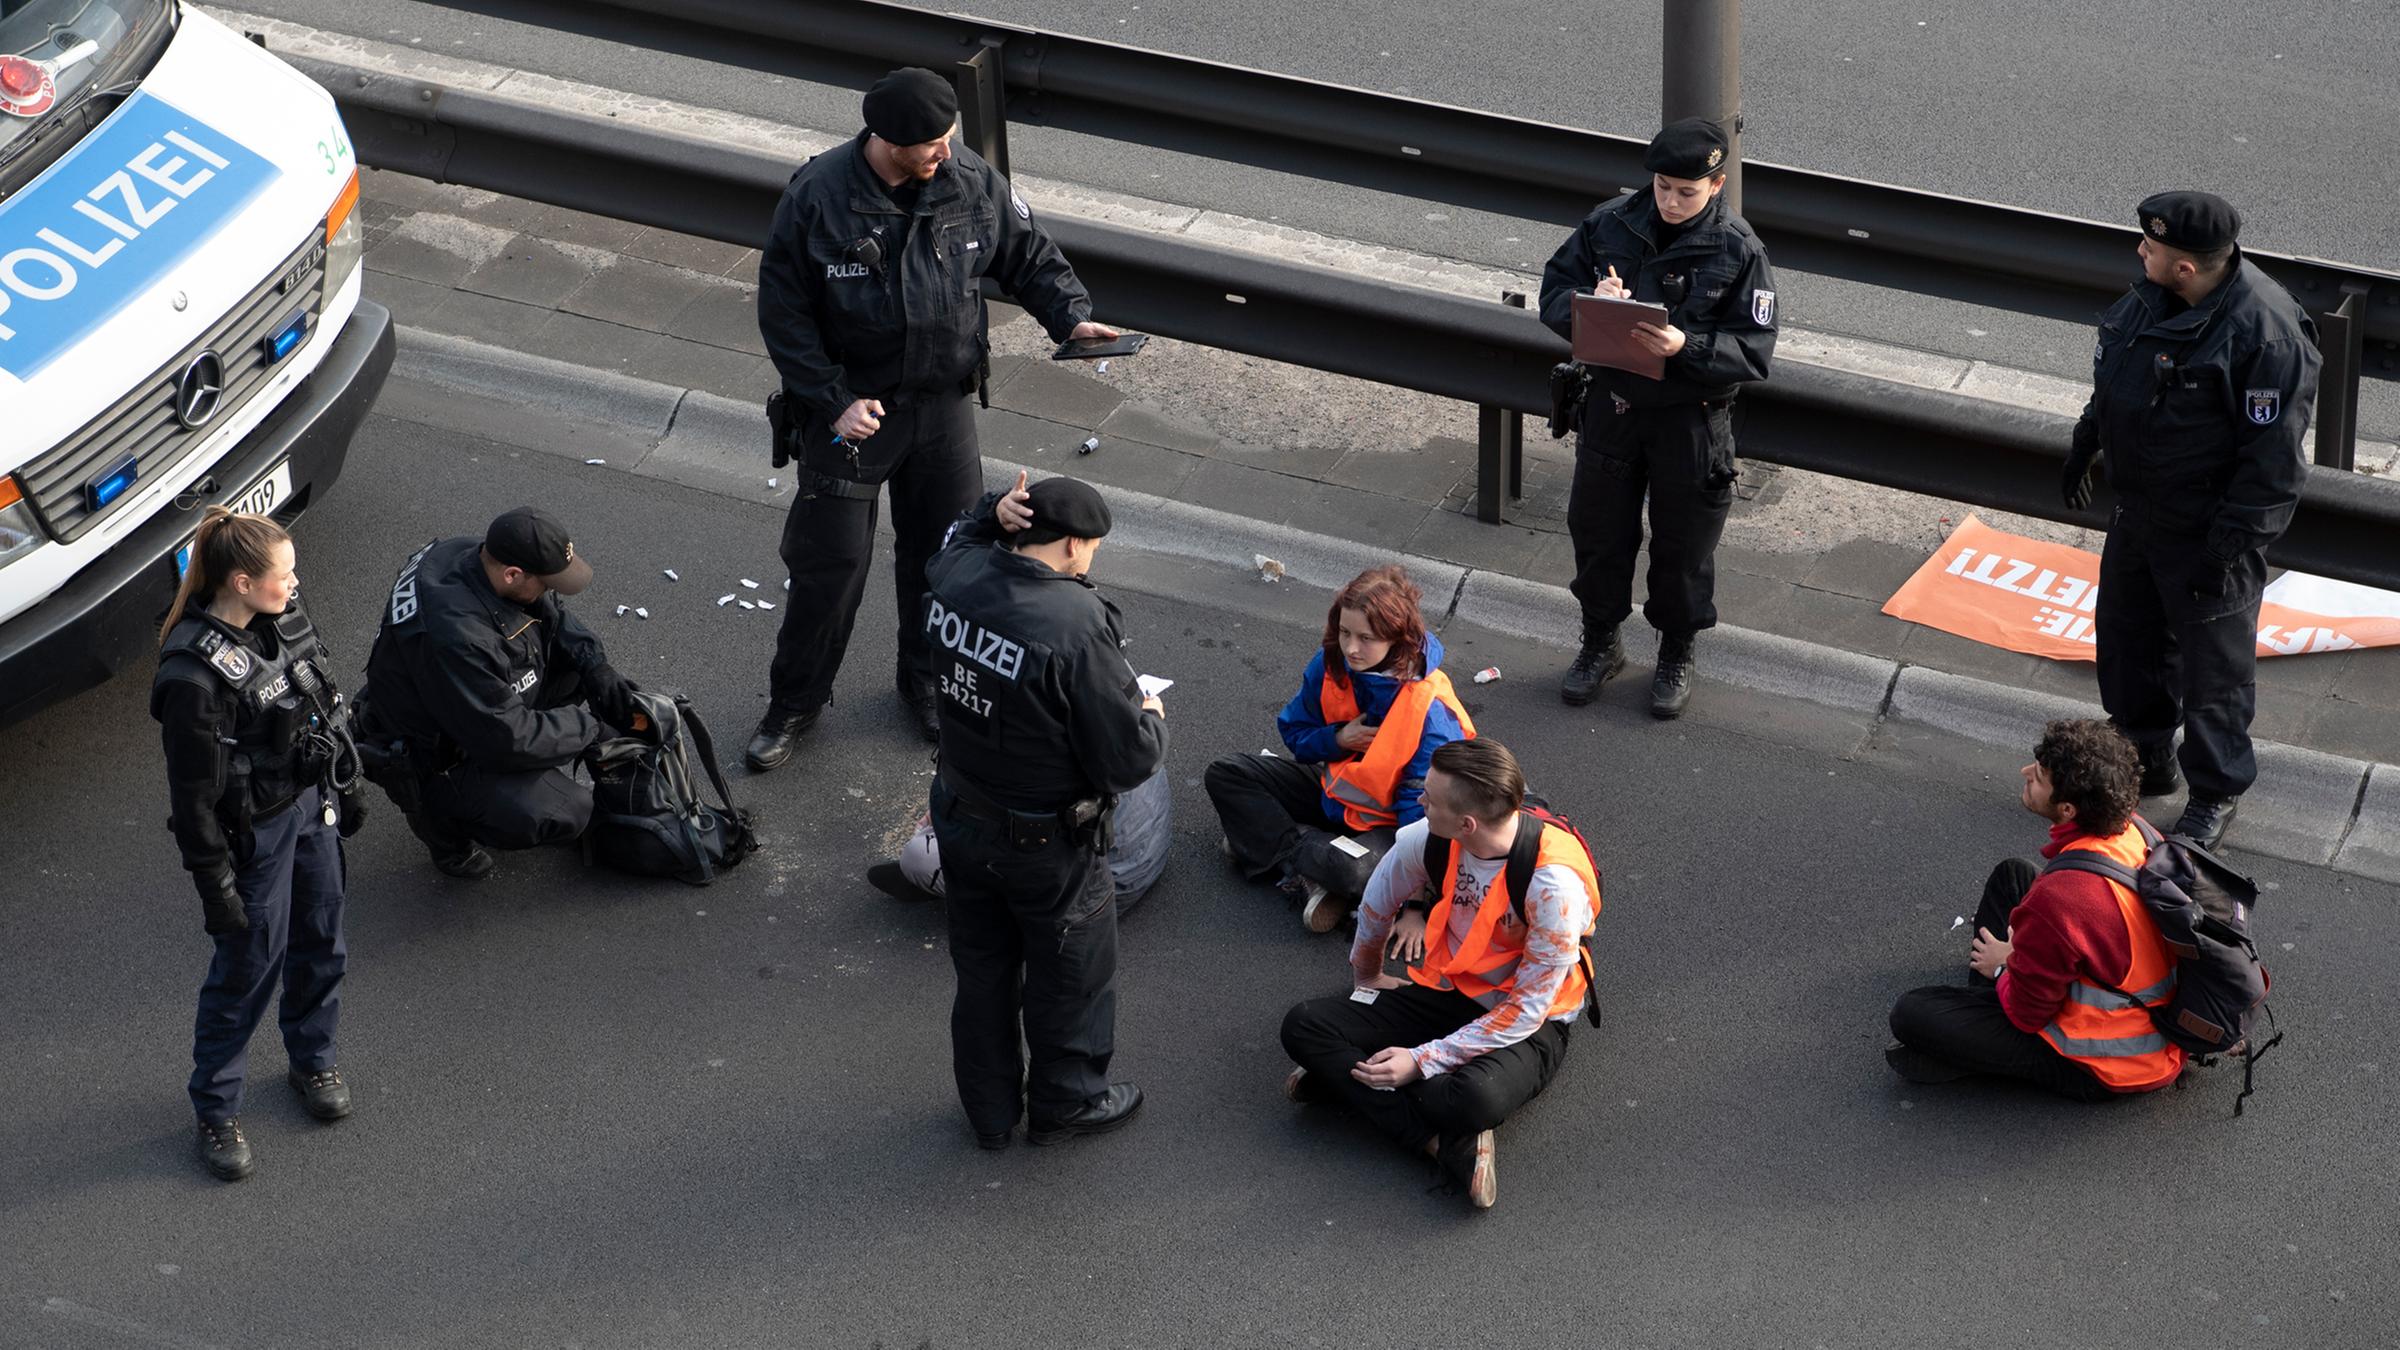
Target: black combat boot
(2205,819)
(917,695)
(1671,687)
(777,733)
(224,1151)
(322,1092)
(1602,655)
(2159,778)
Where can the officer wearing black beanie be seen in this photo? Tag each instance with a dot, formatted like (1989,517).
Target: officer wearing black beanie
(1043,724)
(2202,384)
(1668,440)
(870,300)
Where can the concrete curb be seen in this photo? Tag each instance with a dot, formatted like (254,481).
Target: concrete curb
(2311,807)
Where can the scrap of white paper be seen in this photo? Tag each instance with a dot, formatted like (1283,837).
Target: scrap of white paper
(1153,686)
(725,599)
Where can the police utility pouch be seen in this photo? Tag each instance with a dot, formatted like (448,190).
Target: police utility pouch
(779,428)
(1570,384)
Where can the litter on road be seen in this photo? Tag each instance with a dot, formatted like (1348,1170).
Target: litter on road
(671,575)
(1487,674)
(725,599)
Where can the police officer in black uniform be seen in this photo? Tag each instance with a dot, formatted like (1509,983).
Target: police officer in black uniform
(870,300)
(1042,724)
(483,690)
(1670,438)
(260,777)
(2202,385)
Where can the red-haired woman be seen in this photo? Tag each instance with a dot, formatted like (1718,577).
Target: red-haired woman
(1373,706)
(260,774)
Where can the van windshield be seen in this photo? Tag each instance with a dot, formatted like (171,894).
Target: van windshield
(54,53)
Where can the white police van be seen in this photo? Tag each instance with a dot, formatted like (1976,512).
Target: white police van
(180,320)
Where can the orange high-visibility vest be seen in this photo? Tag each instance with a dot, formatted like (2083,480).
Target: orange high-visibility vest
(2104,1031)
(1487,958)
(1368,785)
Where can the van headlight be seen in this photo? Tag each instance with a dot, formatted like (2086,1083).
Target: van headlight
(20,533)
(344,242)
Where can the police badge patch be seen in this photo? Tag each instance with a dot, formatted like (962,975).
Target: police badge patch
(1762,308)
(1024,212)
(232,660)
(2265,406)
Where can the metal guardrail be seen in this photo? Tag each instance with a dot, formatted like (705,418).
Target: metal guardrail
(1490,354)
(1931,243)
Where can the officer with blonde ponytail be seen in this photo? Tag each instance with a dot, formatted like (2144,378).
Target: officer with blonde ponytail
(261,774)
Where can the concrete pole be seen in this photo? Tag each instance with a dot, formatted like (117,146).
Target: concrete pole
(1701,74)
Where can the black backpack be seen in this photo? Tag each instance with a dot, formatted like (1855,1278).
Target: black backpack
(2202,909)
(647,815)
(1523,856)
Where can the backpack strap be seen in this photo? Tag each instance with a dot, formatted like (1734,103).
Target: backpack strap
(1523,856)
(2084,860)
(707,747)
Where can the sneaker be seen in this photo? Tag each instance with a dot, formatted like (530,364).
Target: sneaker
(1320,911)
(1918,1067)
(888,878)
(224,1151)
(1602,655)
(1470,1160)
(322,1091)
(1302,1088)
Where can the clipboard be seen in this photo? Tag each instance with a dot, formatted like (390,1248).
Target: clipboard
(1604,334)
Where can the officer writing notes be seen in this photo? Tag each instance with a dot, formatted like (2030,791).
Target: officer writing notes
(1669,439)
(260,777)
(1042,723)
(870,300)
(2202,385)
(483,690)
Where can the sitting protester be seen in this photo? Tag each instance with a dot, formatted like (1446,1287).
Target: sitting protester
(1373,707)
(1479,1027)
(1143,826)
(483,691)
(2063,961)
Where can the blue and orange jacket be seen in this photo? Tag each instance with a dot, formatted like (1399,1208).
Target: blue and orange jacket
(1310,735)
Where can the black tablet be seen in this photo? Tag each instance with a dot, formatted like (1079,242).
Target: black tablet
(1089,349)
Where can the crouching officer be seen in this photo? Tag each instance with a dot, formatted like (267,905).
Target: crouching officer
(871,304)
(2202,384)
(1042,724)
(1670,438)
(260,776)
(482,691)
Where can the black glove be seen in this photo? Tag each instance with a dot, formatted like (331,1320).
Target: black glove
(2076,487)
(220,902)
(611,696)
(353,809)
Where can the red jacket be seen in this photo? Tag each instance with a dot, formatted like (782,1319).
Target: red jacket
(2066,928)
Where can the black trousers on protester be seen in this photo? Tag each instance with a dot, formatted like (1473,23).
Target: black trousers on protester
(1033,936)
(1274,815)
(1329,1036)
(2179,647)
(1965,1026)
(829,546)
(1680,458)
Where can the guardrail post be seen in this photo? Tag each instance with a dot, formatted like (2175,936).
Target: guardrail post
(2342,338)
(1700,75)
(1499,450)
(983,103)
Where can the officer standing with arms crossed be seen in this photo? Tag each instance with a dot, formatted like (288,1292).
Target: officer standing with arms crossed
(260,776)
(1042,724)
(1669,438)
(870,300)
(2202,384)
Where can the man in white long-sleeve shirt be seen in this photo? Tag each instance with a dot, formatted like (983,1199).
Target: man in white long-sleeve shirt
(1479,1027)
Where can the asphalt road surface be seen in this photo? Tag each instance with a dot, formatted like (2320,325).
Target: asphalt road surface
(2077,109)
(601,1112)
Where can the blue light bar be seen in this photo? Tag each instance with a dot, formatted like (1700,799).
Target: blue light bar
(99,492)
(279,344)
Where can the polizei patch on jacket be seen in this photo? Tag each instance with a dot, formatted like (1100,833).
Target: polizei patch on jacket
(2265,406)
(980,652)
(1762,308)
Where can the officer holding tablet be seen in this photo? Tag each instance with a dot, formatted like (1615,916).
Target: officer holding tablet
(871,303)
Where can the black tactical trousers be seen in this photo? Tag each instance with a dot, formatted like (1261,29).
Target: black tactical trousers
(1680,459)
(829,545)
(291,893)
(1033,936)
(1273,813)
(2178,647)
(454,807)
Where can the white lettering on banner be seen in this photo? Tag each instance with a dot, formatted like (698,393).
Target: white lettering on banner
(2292,642)
(2064,623)
(2002,572)
(973,641)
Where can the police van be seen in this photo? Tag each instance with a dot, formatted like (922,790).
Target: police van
(180,320)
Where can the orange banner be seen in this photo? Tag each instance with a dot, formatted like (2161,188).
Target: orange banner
(2024,595)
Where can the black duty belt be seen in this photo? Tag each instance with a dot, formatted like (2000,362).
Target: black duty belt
(976,802)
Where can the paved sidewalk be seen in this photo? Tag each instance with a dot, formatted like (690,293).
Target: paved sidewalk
(681,312)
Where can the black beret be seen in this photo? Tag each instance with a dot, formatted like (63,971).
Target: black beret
(911,106)
(532,542)
(2196,222)
(1070,506)
(1692,148)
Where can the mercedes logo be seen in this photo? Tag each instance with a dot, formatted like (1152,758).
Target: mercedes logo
(199,391)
